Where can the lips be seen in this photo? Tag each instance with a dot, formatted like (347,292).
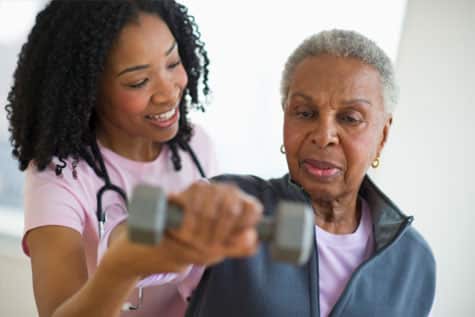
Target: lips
(321,169)
(321,164)
(164,119)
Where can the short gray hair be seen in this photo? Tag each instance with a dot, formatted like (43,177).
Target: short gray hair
(344,43)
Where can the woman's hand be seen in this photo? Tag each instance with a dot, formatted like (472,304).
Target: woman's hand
(219,221)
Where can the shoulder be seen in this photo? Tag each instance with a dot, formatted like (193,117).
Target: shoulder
(419,245)
(47,193)
(416,264)
(73,174)
(414,259)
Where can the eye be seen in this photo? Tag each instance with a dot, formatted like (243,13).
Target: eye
(305,114)
(174,65)
(138,84)
(351,118)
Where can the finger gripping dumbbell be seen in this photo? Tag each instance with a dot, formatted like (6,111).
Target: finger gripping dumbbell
(289,232)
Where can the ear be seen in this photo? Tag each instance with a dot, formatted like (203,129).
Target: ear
(384,137)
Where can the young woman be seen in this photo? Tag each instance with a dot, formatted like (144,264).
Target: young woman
(99,103)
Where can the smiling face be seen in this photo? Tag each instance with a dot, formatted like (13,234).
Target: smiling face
(334,125)
(141,87)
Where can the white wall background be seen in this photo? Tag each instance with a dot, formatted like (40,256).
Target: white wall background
(428,166)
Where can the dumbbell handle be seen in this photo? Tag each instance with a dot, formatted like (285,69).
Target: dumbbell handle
(174,219)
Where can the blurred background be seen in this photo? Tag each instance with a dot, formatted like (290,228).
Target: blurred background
(427,166)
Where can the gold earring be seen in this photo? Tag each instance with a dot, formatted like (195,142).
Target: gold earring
(282,149)
(375,163)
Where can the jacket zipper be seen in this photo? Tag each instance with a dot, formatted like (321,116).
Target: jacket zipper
(343,298)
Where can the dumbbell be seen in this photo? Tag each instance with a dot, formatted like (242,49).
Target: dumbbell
(289,232)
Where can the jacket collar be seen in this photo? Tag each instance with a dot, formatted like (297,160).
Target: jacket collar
(388,219)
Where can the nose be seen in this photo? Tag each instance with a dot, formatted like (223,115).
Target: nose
(165,91)
(325,133)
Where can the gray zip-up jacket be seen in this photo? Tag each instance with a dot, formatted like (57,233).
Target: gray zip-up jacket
(398,280)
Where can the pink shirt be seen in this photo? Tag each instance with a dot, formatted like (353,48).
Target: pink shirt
(339,256)
(69,202)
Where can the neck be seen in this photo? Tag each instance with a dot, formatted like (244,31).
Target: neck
(133,148)
(339,216)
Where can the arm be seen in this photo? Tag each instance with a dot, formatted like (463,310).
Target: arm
(60,278)
(219,222)
(53,224)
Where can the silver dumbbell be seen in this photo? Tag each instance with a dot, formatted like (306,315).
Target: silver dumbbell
(289,233)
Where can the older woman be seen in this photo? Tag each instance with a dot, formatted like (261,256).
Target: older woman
(338,94)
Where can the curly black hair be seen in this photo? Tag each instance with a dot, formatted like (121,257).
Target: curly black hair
(51,105)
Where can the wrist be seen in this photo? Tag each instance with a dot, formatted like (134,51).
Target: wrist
(128,260)
(118,265)
(168,258)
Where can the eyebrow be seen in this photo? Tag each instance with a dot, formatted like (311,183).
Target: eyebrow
(345,102)
(170,50)
(301,95)
(357,100)
(144,66)
(132,69)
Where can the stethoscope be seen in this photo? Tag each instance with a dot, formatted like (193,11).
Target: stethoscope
(108,186)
